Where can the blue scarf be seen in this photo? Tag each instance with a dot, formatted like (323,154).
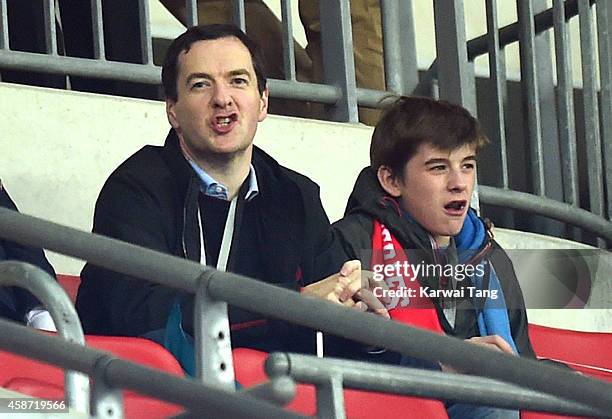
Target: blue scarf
(493,317)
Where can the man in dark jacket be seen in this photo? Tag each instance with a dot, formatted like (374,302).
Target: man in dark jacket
(409,220)
(209,195)
(16,303)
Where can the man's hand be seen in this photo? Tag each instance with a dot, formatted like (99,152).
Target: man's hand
(494,342)
(348,288)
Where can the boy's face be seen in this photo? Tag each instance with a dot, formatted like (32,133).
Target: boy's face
(436,188)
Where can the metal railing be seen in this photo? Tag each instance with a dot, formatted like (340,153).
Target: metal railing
(48,291)
(111,374)
(338,373)
(290,306)
(553,151)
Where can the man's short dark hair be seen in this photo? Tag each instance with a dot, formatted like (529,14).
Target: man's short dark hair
(194,34)
(411,121)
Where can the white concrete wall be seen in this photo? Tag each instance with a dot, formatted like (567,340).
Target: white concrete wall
(57,148)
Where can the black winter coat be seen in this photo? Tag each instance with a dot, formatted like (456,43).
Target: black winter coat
(16,302)
(368,201)
(151,200)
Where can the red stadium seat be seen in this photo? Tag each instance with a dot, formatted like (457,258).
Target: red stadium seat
(42,380)
(249,366)
(587,352)
(70,283)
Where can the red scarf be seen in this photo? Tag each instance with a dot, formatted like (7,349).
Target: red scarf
(411,309)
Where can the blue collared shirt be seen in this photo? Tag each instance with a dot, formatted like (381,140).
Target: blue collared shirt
(211,187)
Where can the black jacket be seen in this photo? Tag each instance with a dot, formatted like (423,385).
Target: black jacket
(151,200)
(368,202)
(16,302)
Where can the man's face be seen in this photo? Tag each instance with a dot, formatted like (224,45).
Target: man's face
(218,105)
(436,188)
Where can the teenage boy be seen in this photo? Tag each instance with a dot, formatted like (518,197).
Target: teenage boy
(409,220)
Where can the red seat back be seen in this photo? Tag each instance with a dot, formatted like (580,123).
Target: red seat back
(71,284)
(588,348)
(45,381)
(249,366)
(587,352)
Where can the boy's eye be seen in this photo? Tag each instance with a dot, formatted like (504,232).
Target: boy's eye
(438,167)
(469,166)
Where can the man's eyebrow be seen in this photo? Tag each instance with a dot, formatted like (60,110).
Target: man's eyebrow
(240,72)
(198,76)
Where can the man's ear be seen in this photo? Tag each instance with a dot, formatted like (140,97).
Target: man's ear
(389,181)
(171,113)
(263,105)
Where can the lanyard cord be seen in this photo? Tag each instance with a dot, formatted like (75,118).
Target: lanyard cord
(226,241)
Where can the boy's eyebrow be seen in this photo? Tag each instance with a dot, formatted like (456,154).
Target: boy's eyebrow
(438,160)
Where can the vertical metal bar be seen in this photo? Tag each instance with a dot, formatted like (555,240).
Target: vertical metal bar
(338,60)
(604,28)
(565,105)
(531,96)
(239,19)
(591,109)
(98,29)
(408,50)
(50,30)
(498,80)
(330,398)
(401,70)
(288,50)
(191,8)
(453,69)
(106,401)
(4,39)
(146,43)
(213,348)
(389,12)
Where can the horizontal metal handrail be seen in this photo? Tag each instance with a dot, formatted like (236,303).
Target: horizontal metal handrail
(118,373)
(52,295)
(422,383)
(548,207)
(276,302)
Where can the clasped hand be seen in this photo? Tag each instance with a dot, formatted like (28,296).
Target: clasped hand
(351,287)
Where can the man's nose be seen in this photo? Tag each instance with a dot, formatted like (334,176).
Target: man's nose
(221,96)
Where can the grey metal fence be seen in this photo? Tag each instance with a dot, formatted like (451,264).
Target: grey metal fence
(552,140)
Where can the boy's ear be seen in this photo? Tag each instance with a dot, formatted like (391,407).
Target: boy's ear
(389,182)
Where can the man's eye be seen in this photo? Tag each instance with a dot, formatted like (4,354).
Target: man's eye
(240,81)
(199,85)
